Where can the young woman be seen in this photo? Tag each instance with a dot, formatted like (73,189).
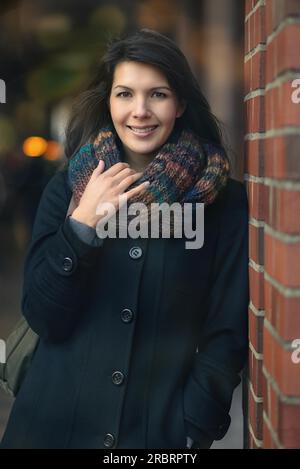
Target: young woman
(141,339)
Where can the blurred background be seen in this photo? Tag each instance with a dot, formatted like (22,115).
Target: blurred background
(49,51)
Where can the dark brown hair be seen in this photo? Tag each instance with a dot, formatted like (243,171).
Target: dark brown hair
(90,110)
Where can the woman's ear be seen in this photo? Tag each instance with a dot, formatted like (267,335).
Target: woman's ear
(181,108)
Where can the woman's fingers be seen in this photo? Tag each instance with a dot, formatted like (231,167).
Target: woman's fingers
(138,189)
(112,171)
(128,180)
(116,168)
(119,177)
(99,168)
(125,196)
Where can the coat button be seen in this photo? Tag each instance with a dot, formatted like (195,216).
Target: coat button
(109,440)
(67,264)
(126,315)
(135,252)
(117,378)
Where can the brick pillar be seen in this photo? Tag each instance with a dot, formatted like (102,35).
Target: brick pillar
(272,167)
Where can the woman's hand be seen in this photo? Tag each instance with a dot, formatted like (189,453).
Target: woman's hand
(106,188)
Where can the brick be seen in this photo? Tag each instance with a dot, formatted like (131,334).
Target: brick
(283,52)
(288,319)
(252,444)
(252,43)
(288,112)
(256,416)
(271,105)
(247,37)
(254,157)
(250,441)
(255,114)
(268,442)
(256,324)
(256,282)
(270,62)
(256,243)
(281,111)
(268,17)
(273,407)
(283,313)
(278,363)
(281,157)
(275,158)
(287,372)
(248,6)
(284,418)
(259,26)
(258,196)
(284,210)
(255,374)
(270,303)
(267,438)
(255,72)
(247,77)
(258,70)
(289,425)
(282,261)
(255,29)
(266,394)
(283,9)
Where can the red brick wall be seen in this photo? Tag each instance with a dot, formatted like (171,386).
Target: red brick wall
(272,174)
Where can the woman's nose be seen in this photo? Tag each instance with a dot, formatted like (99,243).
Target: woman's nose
(141,108)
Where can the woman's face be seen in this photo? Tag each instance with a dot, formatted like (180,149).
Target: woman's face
(143,107)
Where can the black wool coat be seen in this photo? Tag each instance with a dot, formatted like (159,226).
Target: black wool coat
(135,351)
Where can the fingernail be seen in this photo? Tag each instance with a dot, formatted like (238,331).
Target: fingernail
(146,183)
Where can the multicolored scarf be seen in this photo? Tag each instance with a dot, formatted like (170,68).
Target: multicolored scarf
(184,170)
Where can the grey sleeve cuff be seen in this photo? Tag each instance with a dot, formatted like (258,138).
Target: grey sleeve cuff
(85,233)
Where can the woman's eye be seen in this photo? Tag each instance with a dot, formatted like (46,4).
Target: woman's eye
(159,94)
(123,94)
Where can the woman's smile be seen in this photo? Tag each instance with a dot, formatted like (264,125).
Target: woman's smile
(142,132)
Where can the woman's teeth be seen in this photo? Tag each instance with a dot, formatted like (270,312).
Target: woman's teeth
(143,131)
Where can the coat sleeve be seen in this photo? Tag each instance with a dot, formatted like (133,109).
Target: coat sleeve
(223,340)
(57,266)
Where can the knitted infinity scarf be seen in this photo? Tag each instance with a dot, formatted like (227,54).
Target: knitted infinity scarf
(182,171)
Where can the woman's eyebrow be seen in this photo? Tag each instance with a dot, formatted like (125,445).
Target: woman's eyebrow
(151,89)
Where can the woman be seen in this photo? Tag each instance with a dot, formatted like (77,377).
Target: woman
(141,339)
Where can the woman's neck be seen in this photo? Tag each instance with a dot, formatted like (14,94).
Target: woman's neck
(137,162)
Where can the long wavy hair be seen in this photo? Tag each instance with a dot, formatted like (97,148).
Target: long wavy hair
(90,110)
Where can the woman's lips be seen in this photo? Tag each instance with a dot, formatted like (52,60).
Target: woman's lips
(143,132)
